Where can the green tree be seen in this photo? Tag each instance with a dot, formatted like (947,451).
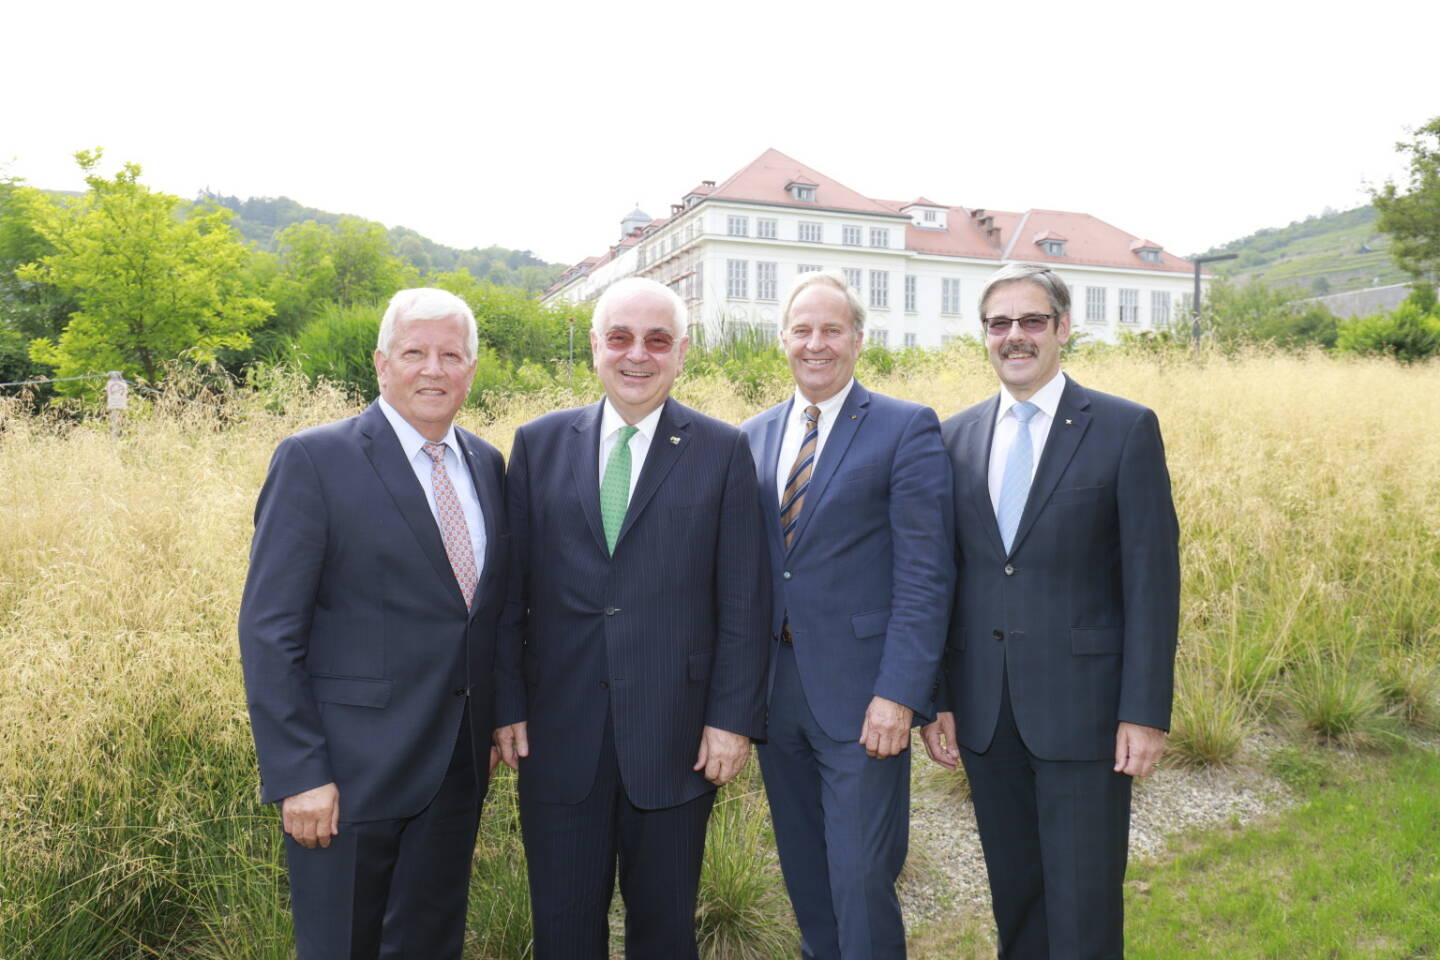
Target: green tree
(1412,216)
(344,263)
(1258,312)
(149,284)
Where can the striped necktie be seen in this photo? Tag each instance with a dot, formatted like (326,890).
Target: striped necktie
(794,498)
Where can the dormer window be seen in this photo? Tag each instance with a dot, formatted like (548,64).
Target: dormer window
(1146,250)
(801,190)
(1050,243)
(929,216)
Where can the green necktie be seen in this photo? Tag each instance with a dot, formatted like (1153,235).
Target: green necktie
(615,488)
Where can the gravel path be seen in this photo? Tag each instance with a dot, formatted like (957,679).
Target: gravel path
(946,866)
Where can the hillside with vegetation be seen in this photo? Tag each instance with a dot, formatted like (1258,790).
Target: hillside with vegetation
(1328,253)
(261,220)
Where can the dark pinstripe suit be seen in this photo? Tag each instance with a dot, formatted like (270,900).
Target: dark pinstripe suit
(617,663)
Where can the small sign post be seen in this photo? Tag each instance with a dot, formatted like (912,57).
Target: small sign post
(117,393)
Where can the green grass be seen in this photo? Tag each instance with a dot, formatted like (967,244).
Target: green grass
(1352,873)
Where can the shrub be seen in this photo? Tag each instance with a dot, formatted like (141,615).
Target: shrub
(1408,334)
(1338,703)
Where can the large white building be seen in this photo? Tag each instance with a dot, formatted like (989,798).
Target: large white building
(732,251)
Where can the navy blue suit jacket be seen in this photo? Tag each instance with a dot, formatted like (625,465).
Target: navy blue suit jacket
(668,635)
(866,583)
(1083,611)
(357,647)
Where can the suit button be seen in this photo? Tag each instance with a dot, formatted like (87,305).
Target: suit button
(786,574)
(611,611)
(1009,570)
(463,692)
(604,685)
(998,634)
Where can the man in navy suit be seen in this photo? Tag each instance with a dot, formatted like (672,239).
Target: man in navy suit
(367,634)
(856,492)
(1060,662)
(632,657)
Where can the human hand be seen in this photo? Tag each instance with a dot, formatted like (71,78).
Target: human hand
(1138,749)
(886,731)
(494,762)
(513,743)
(722,755)
(939,737)
(312,817)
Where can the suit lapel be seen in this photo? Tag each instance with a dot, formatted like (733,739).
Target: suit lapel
(847,424)
(975,451)
(386,455)
(584,444)
(666,447)
(769,469)
(1071,422)
(489,509)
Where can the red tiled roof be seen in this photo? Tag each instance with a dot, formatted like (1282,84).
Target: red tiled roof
(764,180)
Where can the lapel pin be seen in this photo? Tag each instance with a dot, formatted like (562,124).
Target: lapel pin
(852,416)
(675,441)
(1069,423)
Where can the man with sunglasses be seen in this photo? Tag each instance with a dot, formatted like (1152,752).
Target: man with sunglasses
(632,650)
(1058,673)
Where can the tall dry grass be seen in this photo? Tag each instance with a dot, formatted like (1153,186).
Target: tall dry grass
(1310,511)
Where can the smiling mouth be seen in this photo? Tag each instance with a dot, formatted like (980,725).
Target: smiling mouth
(636,374)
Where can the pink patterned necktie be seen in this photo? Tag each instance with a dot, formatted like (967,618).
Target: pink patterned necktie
(453,531)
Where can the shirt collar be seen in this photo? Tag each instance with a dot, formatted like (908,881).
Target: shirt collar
(410,439)
(827,407)
(1047,398)
(611,421)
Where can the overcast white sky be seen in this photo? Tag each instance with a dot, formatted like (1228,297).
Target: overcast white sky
(539,127)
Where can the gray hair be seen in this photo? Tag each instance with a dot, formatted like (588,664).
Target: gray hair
(1038,274)
(621,289)
(829,278)
(426,303)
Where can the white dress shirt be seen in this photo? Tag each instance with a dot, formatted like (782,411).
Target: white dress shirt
(795,433)
(455,467)
(1047,398)
(610,424)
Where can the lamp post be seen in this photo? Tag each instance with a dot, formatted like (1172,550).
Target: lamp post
(1195,305)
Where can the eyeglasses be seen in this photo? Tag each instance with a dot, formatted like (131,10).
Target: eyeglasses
(1030,323)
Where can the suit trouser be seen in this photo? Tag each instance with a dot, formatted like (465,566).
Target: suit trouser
(571,852)
(393,889)
(1055,836)
(842,826)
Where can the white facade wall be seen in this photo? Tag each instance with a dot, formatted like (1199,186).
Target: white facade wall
(693,252)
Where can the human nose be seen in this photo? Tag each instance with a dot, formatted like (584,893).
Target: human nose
(637,352)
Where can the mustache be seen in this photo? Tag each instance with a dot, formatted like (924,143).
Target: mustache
(1017,350)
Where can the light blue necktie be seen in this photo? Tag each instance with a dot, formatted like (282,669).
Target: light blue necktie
(1019,465)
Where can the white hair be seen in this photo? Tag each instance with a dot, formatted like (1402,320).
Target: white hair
(632,285)
(426,303)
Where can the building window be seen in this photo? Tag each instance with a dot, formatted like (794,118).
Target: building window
(950,295)
(765,284)
(850,235)
(948,338)
(929,216)
(766,228)
(909,294)
(879,338)
(1129,306)
(911,340)
(803,193)
(880,289)
(879,237)
(1187,304)
(810,232)
(737,282)
(1094,304)
(808,268)
(854,278)
(1149,254)
(738,226)
(1053,248)
(767,331)
(1159,309)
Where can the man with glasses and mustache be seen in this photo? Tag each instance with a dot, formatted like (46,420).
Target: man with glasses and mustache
(1058,674)
(632,651)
